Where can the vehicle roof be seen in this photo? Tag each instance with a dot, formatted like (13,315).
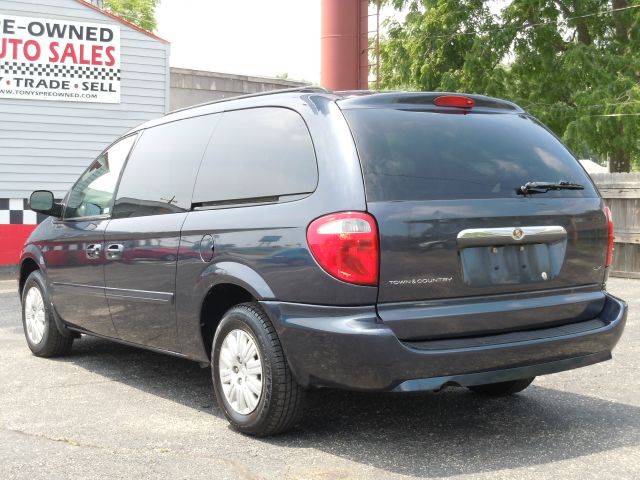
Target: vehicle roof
(349,99)
(271,98)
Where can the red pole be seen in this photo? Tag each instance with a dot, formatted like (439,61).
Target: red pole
(363,53)
(344,44)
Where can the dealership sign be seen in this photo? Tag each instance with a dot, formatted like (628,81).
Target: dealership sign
(46,59)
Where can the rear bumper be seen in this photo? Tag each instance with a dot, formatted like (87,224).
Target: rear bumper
(350,347)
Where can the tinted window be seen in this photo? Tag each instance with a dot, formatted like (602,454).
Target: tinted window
(413,155)
(159,176)
(92,194)
(257,154)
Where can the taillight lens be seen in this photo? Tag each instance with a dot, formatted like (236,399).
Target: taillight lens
(459,101)
(346,246)
(610,237)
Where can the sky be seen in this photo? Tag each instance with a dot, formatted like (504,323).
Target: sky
(250,37)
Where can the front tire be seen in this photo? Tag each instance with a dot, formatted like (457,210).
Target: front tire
(253,383)
(502,389)
(40,329)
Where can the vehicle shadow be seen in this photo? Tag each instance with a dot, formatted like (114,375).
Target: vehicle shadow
(172,378)
(455,432)
(452,432)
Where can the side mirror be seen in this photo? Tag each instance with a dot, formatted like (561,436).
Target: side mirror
(42,201)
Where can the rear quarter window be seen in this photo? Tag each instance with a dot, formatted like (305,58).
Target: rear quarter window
(419,155)
(258,154)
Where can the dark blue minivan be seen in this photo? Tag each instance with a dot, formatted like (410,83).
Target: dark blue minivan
(302,239)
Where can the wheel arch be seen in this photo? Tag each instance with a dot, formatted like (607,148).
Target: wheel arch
(228,284)
(219,299)
(29,263)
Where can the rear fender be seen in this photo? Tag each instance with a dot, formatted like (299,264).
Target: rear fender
(190,305)
(236,274)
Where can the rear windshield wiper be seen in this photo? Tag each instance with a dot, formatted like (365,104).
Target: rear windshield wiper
(543,187)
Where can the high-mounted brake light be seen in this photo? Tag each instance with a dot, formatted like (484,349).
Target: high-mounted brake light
(454,101)
(346,246)
(610,237)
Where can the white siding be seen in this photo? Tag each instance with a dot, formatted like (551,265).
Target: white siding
(47,144)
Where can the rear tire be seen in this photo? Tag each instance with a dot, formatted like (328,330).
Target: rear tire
(40,329)
(502,389)
(253,383)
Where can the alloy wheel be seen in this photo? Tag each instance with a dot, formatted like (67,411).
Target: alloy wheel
(241,371)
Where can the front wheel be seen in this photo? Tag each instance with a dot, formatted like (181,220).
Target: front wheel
(252,380)
(502,389)
(40,329)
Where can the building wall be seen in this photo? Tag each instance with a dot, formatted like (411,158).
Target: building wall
(191,87)
(47,144)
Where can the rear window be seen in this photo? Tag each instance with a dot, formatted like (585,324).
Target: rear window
(418,155)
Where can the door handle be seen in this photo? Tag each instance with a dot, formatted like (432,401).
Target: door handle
(114,251)
(93,250)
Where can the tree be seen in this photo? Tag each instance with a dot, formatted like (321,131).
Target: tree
(138,12)
(575,64)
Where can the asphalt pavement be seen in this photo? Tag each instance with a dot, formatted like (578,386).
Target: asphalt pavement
(111,411)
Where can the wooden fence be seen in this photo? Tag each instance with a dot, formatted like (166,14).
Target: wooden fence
(621,192)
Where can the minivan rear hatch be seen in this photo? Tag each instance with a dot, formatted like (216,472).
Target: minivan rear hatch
(464,251)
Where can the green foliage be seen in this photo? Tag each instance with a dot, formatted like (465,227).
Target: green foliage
(574,64)
(138,12)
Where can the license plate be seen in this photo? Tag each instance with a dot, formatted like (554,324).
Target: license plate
(511,264)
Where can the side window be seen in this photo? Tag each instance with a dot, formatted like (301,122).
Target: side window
(257,154)
(159,176)
(92,194)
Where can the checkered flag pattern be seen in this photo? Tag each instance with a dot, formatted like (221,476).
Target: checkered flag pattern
(59,71)
(15,211)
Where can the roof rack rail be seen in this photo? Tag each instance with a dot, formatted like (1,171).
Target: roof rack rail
(363,93)
(304,89)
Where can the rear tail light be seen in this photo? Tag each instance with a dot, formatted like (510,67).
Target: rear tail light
(454,101)
(610,237)
(346,246)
